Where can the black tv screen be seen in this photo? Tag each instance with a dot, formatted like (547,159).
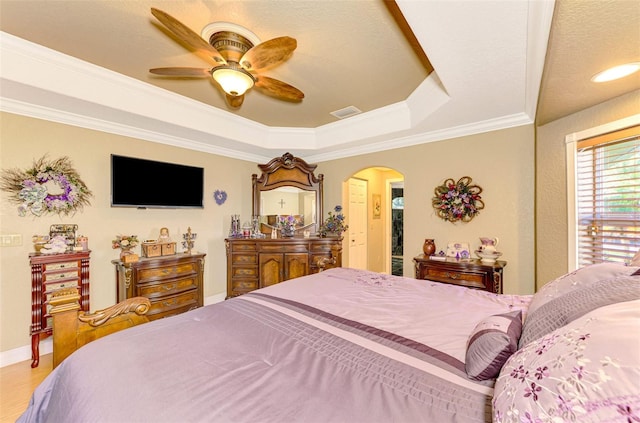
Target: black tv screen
(146,183)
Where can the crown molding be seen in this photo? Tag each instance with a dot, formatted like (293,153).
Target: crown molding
(81,94)
(539,18)
(488,125)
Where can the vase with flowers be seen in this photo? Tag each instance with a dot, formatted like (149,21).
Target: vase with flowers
(287,226)
(334,225)
(126,243)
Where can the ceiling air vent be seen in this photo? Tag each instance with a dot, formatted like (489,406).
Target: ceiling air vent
(346,112)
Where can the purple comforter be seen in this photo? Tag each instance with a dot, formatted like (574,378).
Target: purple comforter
(340,346)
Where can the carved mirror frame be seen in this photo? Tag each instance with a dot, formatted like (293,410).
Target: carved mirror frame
(289,171)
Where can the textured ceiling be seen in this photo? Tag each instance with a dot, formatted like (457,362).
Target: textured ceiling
(588,37)
(330,65)
(488,57)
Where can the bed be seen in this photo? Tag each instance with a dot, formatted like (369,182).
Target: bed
(348,345)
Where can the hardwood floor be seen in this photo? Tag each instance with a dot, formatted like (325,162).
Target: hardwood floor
(17,383)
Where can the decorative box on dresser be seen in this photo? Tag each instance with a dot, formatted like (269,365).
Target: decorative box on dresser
(470,273)
(173,284)
(257,263)
(50,273)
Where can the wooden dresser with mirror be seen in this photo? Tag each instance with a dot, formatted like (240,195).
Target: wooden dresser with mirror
(287,186)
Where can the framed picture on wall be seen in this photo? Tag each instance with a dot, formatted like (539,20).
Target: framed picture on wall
(377,205)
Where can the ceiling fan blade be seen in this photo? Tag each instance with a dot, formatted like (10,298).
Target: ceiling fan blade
(234,101)
(184,72)
(278,89)
(190,38)
(268,53)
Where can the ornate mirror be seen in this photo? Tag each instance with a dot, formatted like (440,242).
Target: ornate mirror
(288,186)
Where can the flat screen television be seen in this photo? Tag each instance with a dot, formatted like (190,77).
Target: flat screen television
(145,183)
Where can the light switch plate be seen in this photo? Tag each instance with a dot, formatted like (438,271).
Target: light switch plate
(10,240)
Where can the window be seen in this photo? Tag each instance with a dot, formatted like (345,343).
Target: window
(607,197)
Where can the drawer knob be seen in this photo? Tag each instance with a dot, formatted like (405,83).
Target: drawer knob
(452,275)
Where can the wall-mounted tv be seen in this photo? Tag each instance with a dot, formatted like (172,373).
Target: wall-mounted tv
(151,184)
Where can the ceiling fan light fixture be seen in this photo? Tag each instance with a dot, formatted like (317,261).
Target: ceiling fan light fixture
(616,72)
(228,45)
(234,81)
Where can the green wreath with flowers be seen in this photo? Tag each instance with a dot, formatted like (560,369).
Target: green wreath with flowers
(457,201)
(48,187)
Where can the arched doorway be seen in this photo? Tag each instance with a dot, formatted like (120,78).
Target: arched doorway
(376,218)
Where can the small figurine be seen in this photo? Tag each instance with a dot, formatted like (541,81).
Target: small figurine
(189,237)
(164,235)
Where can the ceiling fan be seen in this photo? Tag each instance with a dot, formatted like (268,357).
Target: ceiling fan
(236,61)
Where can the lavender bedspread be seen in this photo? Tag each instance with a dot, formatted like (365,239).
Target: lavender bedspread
(341,346)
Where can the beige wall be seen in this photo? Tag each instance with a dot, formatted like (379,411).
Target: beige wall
(551,180)
(25,139)
(500,162)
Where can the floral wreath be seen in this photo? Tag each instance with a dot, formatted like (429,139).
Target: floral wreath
(456,201)
(48,187)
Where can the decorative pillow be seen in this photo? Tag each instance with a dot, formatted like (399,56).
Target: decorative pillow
(574,294)
(587,371)
(491,343)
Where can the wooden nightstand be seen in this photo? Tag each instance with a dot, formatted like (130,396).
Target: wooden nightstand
(472,274)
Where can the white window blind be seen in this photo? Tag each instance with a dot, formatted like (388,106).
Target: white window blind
(608,197)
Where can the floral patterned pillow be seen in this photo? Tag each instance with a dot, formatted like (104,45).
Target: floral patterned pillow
(586,371)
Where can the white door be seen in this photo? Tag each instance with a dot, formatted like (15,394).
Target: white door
(357,224)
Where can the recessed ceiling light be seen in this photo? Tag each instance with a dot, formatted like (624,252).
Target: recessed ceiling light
(616,72)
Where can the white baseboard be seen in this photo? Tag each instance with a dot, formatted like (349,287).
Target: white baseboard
(215,298)
(19,354)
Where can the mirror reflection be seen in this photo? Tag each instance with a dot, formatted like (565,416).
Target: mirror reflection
(285,201)
(288,187)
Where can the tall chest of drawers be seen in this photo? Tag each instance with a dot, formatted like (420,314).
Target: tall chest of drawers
(50,273)
(173,284)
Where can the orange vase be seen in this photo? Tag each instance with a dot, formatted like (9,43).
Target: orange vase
(125,252)
(429,247)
